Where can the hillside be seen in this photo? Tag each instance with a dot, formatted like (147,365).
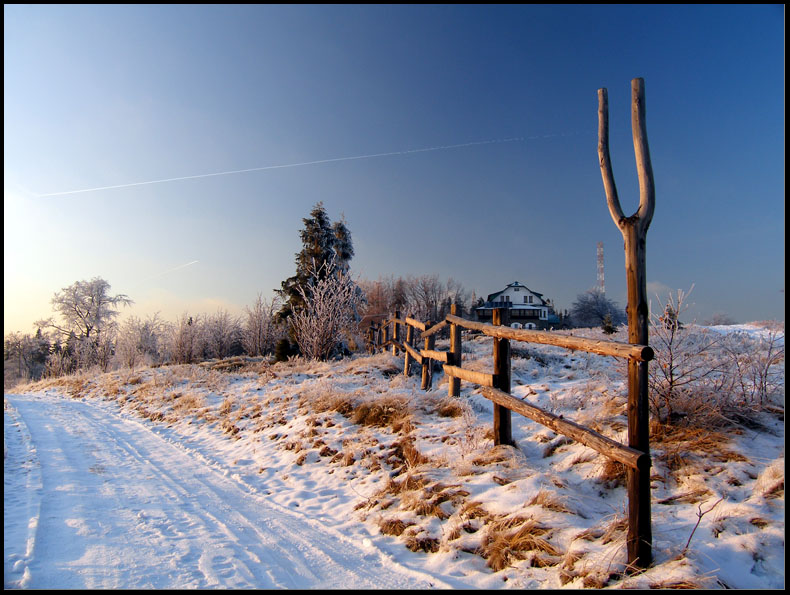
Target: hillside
(391,486)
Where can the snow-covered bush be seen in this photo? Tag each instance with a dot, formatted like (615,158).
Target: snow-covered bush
(330,303)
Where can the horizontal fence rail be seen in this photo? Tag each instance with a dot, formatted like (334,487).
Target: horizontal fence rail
(640,353)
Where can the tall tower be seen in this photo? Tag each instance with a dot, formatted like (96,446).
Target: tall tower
(601,286)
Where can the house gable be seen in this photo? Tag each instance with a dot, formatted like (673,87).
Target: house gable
(527,308)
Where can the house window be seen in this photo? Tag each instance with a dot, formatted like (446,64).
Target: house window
(530,300)
(526,299)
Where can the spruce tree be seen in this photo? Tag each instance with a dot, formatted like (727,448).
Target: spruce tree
(343,248)
(321,242)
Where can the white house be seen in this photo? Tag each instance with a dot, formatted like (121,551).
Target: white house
(527,308)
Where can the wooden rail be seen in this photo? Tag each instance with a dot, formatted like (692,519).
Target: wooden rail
(642,353)
(496,387)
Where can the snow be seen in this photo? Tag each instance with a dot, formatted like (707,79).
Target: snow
(203,476)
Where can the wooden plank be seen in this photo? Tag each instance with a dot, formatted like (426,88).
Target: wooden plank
(439,356)
(415,323)
(435,329)
(480,378)
(413,353)
(394,344)
(613,348)
(630,457)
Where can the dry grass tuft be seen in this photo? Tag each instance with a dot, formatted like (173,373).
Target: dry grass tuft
(771,482)
(678,446)
(227,406)
(510,540)
(617,528)
(404,453)
(416,542)
(676,584)
(408,483)
(498,454)
(549,501)
(393,412)
(187,403)
(555,444)
(450,407)
(613,474)
(393,526)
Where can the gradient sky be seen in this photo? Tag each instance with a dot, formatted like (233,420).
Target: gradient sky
(99,96)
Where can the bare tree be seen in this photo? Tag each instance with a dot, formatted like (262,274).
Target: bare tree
(686,371)
(260,331)
(139,341)
(591,308)
(329,311)
(223,334)
(757,365)
(187,340)
(87,311)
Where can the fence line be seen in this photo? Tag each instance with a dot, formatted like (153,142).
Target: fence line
(496,387)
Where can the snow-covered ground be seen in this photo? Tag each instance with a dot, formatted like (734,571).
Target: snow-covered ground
(346,475)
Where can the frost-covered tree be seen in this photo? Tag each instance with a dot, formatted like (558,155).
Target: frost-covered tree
(329,312)
(260,330)
(322,241)
(25,356)
(187,340)
(590,309)
(223,335)
(87,312)
(343,246)
(140,342)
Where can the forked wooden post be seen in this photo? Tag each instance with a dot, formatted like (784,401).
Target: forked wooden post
(634,231)
(454,356)
(502,417)
(427,364)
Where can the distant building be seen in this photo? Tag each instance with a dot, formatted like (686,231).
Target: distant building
(526,308)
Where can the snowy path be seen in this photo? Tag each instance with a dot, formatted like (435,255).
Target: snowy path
(114,505)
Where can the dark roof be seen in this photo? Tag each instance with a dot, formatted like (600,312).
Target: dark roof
(491,297)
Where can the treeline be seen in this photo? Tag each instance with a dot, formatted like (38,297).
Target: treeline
(426,297)
(86,334)
(151,341)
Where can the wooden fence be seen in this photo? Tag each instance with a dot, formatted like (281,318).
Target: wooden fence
(496,387)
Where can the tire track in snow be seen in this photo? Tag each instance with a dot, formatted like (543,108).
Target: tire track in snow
(145,513)
(22,495)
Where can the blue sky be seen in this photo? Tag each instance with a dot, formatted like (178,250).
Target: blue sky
(99,96)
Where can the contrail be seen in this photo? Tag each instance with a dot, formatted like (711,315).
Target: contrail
(241,171)
(174,269)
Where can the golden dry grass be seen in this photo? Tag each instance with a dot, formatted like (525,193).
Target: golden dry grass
(510,540)
(393,526)
(549,501)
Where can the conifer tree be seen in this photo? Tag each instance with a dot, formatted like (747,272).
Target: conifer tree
(321,242)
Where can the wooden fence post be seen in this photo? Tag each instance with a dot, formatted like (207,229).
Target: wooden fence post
(409,340)
(395,329)
(369,339)
(502,421)
(454,357)
(427,363)
(634,231)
